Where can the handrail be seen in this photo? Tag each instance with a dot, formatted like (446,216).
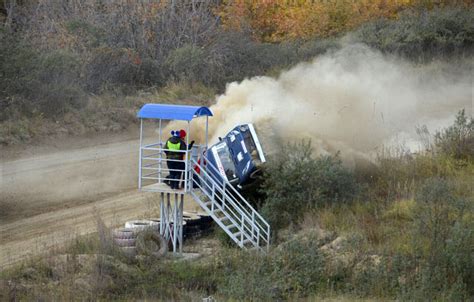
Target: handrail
(265,230)
(244,213)
(220,191)
(235,191)
(230,209)
(238,194)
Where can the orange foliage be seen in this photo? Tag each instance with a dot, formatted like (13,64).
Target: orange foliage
(278,20)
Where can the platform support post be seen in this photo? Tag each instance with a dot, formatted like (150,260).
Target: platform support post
(180,237)
(162,211)
(171,220)
(140,156)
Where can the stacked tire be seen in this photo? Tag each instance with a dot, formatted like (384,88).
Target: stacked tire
(140,237)
(196,225)
(126,239)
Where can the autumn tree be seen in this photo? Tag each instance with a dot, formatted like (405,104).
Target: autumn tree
(276,21)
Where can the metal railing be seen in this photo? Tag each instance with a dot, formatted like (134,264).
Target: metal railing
(153,165)
(225,198)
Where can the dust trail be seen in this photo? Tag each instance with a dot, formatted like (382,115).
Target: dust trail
(353,100)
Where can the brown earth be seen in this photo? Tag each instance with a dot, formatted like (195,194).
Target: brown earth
(53,194)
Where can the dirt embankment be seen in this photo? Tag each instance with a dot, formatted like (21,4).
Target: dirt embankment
(52,195)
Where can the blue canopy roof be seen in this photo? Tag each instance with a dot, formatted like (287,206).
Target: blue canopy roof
(172,112)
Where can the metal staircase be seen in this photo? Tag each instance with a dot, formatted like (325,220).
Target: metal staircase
(229,209)
(202,181)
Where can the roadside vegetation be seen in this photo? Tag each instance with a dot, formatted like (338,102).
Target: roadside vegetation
(401,228)
(75,68)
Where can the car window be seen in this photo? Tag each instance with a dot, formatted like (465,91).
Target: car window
(226,160)
(250,144)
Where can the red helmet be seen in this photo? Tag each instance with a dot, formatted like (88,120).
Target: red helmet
(182,133)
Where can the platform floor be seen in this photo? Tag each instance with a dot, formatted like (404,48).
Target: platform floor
(161,187)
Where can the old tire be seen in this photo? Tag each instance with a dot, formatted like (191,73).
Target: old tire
(125,242)
(192,231)
(155,223)
(151,243)
(138,224)
(124,233)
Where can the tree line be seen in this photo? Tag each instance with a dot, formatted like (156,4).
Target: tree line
(55,54)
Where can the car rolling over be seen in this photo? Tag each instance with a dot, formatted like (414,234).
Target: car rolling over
(237,157)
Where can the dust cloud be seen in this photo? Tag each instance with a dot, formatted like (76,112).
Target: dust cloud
(354,100)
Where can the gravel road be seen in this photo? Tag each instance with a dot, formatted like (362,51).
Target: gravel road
(50,198)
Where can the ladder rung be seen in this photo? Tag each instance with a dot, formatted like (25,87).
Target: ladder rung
(231,226)
(246,241)
(237,234)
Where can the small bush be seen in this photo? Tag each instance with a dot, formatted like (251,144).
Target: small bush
(292,269)
(441,225)
(38,82)
(294,181)
(186,63)
(457,140)
(110,67)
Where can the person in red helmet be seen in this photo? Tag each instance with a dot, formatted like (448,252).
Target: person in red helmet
(176,159)
(182,165)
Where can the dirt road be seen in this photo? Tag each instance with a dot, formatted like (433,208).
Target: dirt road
(48,199)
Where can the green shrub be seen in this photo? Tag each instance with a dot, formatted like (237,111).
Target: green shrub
(397,176)
(292,269)
(422,35)
(437,263)
(457,140)
(443,240)
(18,62)
(33,82)
(91,36)
(110,68)
(186,63)
(294,181)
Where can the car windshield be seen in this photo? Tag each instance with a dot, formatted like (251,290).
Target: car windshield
(226,160)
